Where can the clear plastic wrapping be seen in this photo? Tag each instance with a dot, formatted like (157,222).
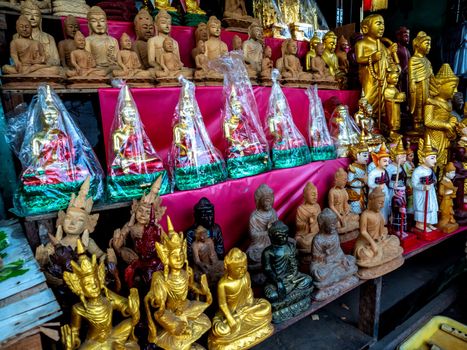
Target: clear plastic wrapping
(344,131)
(193,159)
(322,145)
(132,162)
(55,156)
(247,152)
(289,147)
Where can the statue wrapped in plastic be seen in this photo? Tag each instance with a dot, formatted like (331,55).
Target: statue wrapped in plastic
(344,131)
(247,151)
(194,160)
(133,164)
(55,155)
(289,147)
(321,144)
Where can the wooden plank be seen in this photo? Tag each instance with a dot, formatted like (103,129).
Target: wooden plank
(33,342)
(370,307)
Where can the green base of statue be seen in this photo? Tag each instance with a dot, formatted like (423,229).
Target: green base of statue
(127,187)
(323,153)
(189,178)
(192,19)
(248,165)
(294,304)
(290,158)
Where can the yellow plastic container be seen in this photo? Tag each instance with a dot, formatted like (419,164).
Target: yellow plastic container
(431,332)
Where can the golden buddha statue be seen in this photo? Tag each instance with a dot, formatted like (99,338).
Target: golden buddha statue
(164,5)
(329,54)
(440,124)
(192,6)
(420,78)
(392,102)
(447,193)
(315,40)
(241,321)
(181,321)
(97,304)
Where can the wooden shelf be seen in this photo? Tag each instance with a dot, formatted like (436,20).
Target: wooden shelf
(427,245)
(58,91)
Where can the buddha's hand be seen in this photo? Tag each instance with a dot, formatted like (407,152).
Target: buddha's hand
(180,327)
(376,56)
(281,291)
(233,324)
(68,338)
(205,289)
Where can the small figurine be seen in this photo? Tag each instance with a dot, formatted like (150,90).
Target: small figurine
(171,65)
(97,304)
(144,29)
(253,48)
(329,54)
(409,167)
(201,33)
(341,53)
(392,101)
(66,46)
(102,46)
(203,213)
(398,219)
(320,71)
(266,66)
(287,289)
(307,222)
(377,252)
(395,170)
(447,193)
(344,131)
(459,160)
(201,62)
(215,47)
(205,257)
(130,67)
(338,199)
(180,321)
(421,78)
(242,321)
(260,221)
(331,269)
(291,69)
(424,192)
(379,178)
(357,177)
(315,40)
(237,43)
(235,15)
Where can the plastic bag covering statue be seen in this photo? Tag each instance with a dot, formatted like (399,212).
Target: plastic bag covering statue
(289,147)
(193,159)
(460,59)
(247,151)
(55,156)
(322,145)
(344,131)
(132,162)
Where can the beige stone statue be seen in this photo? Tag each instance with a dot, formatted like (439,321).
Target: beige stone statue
(377,252)
(338,200)
(144,29)
(267,65)
(77,8)
(318,66)
(205,257)
(171,65)
(290,67)
(236,43)
(33,14)
(215,47)
(201,33)
(307,222)
(67,45)
(201,61)
(102,46)
(253,47)
(128,60)
(235,14)
(82,62)
(341,53)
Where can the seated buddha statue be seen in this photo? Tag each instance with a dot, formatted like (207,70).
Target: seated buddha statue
(205,257)
(377,252)
(291,69)
(338,198)
(129,63)
(331,269)
(180,321)
(170,64)
(242,321)
(286,288)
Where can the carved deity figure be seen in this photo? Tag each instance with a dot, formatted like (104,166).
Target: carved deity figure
(242,321)
(398,220)
(215,47)
(338,198)
(144,29)
(169,60)
(331,269)
(341,53)
(97,304)
(253,47)
(314,41)
(266,63)
(82,61)
(392,102)
(379,178)
(201,61)
(286,288)
(318,67)
(377,252)
(128,61)
(66,46)
(102,46)
(205,257)
(395,170)
(307,222)
(329,54)
(177,321)
(421,78)
(357,176)
(201,33)
(291,66)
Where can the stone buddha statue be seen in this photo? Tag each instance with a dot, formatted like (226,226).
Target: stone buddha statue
(66,46)
(377,253)
(130,66)
(144,29)
(102,46)
(341,53)
(171,65)
(242,321)
(286,288)
(338,198)
(331,269)
(253,47)
(205,258)
(215,47)
(201,33)
(290,67)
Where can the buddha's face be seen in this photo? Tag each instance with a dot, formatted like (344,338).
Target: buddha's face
(330,226)
(50,118)
(340,180)
(201,235)
(376,27)
(279,237)
(168,45)
(80,41)
(330,43)
(98,24)
(237,269)
(176,258)
(267,52)
(91,286)
(205,217)
(144,30)
(383,162)
(75,222)
(125,43)
(257,33)
(292,47)
(376,204)
(393,78)
(430,161)
(267,202)
(314,42)
(164,25)
(71,27)
(129,115)
(34,16)
(319,49)
(143,214)
(214,29)
(311,195)
(203,33)
(363,157)
(24,28)
(425,46)
(447,90)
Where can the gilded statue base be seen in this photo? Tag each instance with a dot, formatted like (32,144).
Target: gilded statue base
(190,177)
(366,273)
(349,236)
(87,83)
(282,159)
(335,289)
(31,82)
(248,165)
(127,187)
(295,303)
(249,339)
(427,236)
(322,153)
(193,19)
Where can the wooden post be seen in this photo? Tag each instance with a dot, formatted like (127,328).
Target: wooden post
(370,307)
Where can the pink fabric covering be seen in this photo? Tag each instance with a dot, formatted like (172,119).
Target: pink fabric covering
(185,36)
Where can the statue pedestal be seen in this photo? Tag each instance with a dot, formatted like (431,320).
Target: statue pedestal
(31,82)
(349,236)
(366,273)
(295,303)
(409,242)
(427,236)
(334,289)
